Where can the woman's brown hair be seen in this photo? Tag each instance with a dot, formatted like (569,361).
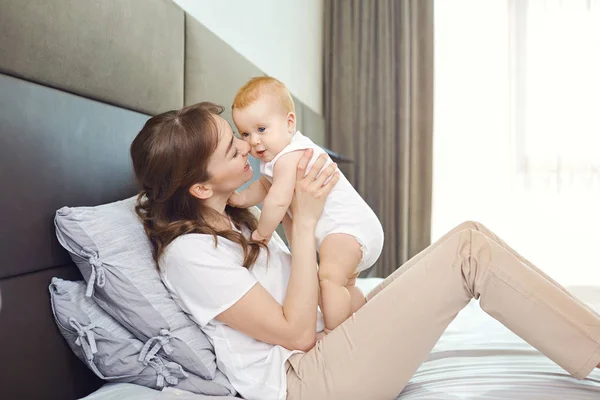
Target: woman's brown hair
(171,154)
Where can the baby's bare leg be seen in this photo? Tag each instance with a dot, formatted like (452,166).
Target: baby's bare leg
(339,256)
(357,297)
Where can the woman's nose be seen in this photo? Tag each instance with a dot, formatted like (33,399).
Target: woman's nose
(245,148)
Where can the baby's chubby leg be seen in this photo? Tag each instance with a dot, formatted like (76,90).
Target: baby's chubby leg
(339,256)
(357,297)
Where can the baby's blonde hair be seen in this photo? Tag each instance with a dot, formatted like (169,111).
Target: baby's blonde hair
(257,87)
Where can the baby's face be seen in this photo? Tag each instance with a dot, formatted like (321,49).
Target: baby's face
(265,127)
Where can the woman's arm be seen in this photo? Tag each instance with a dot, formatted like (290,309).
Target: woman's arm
(292,325)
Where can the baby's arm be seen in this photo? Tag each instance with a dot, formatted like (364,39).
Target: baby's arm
(280,194)
(287,228)
(251,196)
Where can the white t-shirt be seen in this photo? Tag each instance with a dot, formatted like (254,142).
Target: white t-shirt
(206,280)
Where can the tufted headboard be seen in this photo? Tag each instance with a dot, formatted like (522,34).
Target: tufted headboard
(78,79)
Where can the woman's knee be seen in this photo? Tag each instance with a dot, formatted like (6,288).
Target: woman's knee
(474,242)
(473,225)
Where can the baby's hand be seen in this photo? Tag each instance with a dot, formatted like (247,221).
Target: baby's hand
(237,200)
(258,238)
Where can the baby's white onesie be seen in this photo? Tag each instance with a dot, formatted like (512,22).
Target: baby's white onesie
(345,211)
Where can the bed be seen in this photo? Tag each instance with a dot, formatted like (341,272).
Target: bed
(476,358)
(78,79)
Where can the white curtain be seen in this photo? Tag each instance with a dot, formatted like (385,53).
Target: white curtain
(517,127)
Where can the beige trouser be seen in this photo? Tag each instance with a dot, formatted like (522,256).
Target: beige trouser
(373,354)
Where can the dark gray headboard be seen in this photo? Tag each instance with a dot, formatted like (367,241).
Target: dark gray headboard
(78,79)
(57,149)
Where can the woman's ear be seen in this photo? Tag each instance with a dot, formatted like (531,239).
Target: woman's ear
(201,191)
(291,122)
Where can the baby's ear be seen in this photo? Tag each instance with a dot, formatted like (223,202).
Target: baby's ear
(291,122)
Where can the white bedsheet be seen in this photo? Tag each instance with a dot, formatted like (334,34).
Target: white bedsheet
(477,358)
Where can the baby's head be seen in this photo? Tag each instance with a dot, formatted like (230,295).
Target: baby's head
(263,113)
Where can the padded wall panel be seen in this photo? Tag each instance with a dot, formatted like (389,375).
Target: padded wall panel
(127,53)
(37,362)
(313,125)
(299,114)
(213,70)
(56,149)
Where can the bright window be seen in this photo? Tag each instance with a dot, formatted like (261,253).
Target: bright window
(517,127)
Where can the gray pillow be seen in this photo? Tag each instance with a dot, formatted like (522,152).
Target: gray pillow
(113,253)
(109,350)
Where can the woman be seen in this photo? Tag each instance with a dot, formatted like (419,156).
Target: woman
(258,304)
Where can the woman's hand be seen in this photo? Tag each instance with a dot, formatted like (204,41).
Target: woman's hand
(311,190)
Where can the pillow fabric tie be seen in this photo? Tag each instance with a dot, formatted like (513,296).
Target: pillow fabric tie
(165,372)
(162,341)
(97,276)
(85,332)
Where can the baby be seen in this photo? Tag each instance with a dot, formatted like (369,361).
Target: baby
(349,236)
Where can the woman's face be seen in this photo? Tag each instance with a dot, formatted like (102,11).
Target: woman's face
(228,166)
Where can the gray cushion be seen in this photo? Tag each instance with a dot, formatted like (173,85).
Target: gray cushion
(110,247)
(108,349)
